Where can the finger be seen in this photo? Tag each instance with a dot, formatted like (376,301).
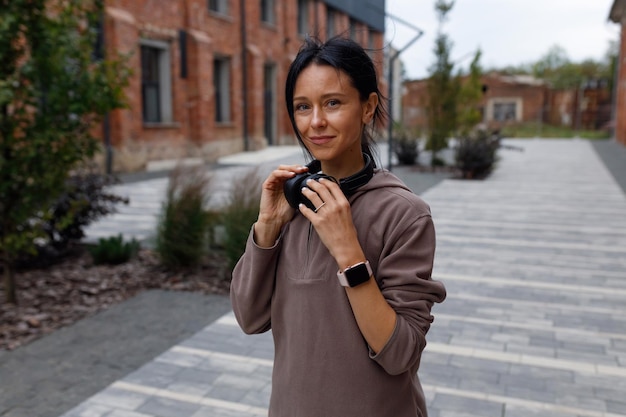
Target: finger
(312,195)
(306,212)
(293,168)
(327,189)
(319,187)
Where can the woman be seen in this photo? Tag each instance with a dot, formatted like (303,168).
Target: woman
(344,279)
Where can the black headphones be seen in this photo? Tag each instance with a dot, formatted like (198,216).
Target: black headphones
(293,186)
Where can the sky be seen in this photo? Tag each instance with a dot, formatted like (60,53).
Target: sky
(508,32)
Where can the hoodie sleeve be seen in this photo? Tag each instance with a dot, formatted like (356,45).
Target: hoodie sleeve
(404,276)
(252,286)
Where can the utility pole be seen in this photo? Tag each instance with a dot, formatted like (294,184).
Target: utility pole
(392,58)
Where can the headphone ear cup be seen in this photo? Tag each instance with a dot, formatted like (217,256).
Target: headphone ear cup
(292,188)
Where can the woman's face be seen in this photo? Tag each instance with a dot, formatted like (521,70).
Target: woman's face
(330,117)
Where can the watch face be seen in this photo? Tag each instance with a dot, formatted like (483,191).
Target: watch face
(357,275)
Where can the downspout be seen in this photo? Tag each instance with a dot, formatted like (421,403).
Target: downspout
(244,64)
(106,122)
(316,27)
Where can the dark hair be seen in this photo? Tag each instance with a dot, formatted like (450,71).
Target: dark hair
(345,55)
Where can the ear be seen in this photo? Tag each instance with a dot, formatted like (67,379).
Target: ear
(369,107)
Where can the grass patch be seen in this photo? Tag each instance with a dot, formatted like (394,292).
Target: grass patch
(542,130)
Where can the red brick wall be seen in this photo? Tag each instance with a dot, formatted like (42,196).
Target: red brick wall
(620,111)
(532,99)
(532,96)
(193,131)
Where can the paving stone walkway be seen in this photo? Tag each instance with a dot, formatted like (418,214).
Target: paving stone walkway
(534,260)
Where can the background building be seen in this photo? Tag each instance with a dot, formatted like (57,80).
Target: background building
(208,75)
(618,15)
(520,99)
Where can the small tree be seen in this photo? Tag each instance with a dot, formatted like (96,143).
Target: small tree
(53,91)
(469,97)
(443,88)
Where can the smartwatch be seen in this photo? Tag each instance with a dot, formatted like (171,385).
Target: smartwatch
(355,275)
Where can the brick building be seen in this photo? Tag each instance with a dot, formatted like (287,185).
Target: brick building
(618,15)
(510,99)
(208,75)
(506,99)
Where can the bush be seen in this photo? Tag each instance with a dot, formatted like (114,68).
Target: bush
(183,225)
(406,147)
(476,154)
(83,200)
(240,213)
(114,250)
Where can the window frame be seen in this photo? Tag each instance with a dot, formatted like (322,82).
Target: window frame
(222,74)
(495,102)
(303,17)
(163,81)
(331,22)
(268,12)
(218,6)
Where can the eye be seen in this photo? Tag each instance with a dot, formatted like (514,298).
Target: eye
(333,103)
(300,107)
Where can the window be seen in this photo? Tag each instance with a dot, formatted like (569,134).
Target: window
(330,23)
(303,17)
(221,84)
(269,102)
(353,28)
(267,11)
(371,34)
(218,6)
(155,82)
(503,112)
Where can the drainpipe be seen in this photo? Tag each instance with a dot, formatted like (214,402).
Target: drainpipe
(244,72)
(106,122)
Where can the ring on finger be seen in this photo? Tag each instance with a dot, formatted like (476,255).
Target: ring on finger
(321,205)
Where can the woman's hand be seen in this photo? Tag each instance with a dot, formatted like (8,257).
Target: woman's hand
(332,220)
(274,210)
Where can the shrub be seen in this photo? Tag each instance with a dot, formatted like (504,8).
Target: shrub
(406,147)
(83,200)
(114,250)
(239,214)
(183,224)
(476,154)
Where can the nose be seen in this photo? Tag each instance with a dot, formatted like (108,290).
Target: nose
(318,119)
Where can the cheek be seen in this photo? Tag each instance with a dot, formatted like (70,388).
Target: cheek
(301,123)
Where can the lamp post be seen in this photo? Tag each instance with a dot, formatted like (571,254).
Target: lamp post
(392,58)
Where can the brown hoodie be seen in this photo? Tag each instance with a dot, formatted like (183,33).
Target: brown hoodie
(322,364)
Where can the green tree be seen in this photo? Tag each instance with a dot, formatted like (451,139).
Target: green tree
(443,89)
(53,92)
(470,94)
(556,68)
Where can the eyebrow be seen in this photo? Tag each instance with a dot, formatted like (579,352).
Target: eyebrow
(324,96)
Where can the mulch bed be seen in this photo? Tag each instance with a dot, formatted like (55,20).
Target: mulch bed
(60,294)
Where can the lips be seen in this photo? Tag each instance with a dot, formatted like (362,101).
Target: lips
(320,140)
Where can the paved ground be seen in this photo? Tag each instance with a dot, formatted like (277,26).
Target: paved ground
(534,325)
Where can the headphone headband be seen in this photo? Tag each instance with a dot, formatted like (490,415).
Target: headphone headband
(352,183)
